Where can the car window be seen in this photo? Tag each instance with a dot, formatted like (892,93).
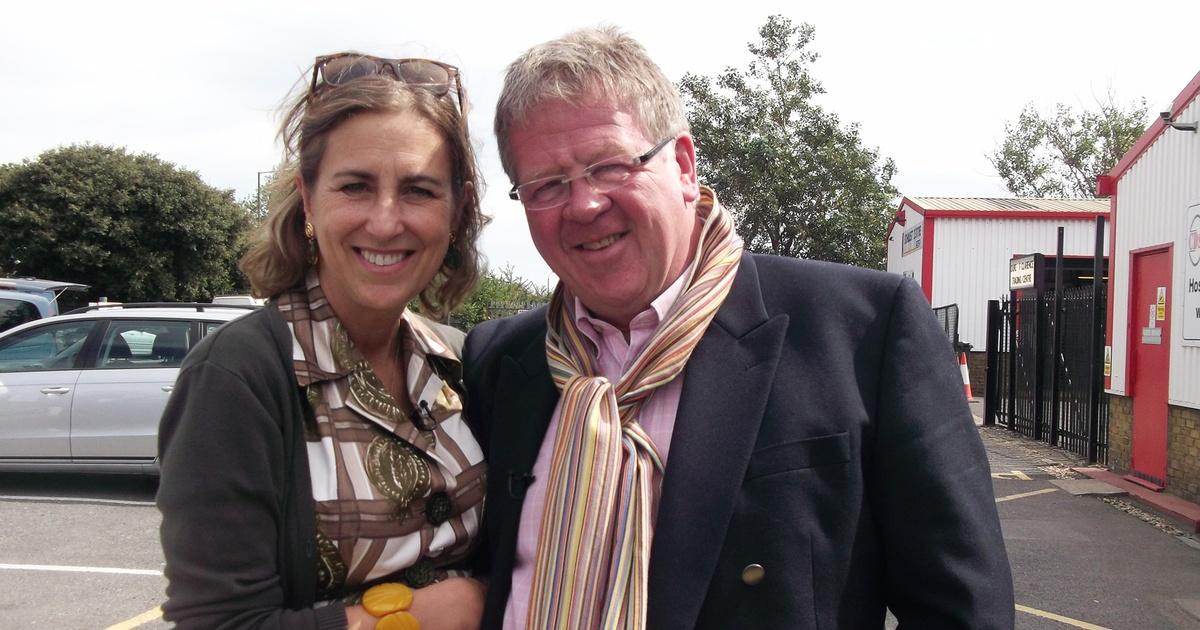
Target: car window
(209,327)
(16,312)
(132,343)
(49,347)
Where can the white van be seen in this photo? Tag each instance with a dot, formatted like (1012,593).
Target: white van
(245,300)
(27,299)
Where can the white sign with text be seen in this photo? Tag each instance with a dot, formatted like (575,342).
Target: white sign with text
(911,240)
(1191,278)
(1021,272)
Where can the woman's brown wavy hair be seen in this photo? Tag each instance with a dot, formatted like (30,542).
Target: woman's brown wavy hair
(277,259)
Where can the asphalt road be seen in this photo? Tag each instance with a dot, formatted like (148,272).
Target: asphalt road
(1082,559)
(80,551)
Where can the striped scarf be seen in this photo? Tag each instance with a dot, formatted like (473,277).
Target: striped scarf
(593,553)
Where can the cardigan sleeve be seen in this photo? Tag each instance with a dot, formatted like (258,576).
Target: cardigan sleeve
(223,467)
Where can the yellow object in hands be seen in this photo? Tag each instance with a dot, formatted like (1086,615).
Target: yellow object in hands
(401,620)
(384,599)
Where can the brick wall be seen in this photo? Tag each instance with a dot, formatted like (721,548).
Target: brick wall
(977,369)
(1120,433)
(1183,452)
(1183,445)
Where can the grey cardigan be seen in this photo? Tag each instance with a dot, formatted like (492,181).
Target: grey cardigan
(238,527)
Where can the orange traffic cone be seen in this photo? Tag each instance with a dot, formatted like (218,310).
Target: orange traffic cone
(962,365)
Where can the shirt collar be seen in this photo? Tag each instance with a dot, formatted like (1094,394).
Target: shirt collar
(591,326)
(316,332)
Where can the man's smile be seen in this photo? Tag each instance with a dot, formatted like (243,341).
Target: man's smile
(602,243)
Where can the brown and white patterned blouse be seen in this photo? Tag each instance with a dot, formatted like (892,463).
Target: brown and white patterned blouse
(398,485)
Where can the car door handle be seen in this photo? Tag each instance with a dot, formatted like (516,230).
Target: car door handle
(55,390)
(168,388)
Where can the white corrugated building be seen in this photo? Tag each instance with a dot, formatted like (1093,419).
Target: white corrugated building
(958,249)
(1154,303)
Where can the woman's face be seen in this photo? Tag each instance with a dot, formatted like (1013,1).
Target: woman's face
(382,205)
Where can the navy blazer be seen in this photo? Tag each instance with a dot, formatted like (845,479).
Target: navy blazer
(822,433)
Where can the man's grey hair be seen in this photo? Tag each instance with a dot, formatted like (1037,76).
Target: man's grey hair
(590,64)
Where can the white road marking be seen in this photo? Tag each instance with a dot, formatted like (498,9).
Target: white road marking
(7,497)
(1025,494)
(74,569)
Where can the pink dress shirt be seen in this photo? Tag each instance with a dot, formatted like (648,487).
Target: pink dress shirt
(613,355)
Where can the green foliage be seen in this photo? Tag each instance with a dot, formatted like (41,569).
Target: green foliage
(498,294)
(133,227)
(798,182)
(1061,155)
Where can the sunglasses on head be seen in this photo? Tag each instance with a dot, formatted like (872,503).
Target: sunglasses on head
(426,74)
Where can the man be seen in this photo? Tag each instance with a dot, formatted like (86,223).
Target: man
(694,437)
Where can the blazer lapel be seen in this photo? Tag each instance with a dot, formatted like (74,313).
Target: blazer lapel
(727,381)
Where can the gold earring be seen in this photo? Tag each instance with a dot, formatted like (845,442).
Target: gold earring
(453,258)
(311,234)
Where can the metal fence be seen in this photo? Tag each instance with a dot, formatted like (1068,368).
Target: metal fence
(492,310)
(947,316)
(1044,372)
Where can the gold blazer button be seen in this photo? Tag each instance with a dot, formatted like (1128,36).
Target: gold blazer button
(753,574)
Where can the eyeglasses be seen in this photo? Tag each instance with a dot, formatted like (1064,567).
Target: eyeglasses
(603,176)
(426,74)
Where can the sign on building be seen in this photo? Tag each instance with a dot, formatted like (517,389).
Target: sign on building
(911,241)
(1022,272)
(1191,278)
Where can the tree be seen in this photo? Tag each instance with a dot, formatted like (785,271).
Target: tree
(1062,154)
(498,294)
(133,227)
(797,182)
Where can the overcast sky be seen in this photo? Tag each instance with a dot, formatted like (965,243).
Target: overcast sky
(930,83)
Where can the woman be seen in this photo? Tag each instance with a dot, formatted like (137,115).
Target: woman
(315,447)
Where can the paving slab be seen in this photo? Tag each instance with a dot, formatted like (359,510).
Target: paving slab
(1176,507)
(1190,606)
(1081,487)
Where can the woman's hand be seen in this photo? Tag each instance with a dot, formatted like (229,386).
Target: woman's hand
(455,603)
(357,618)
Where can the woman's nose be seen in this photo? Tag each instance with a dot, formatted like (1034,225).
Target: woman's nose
(387,216)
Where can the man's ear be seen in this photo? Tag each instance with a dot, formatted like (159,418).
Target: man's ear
(685,158)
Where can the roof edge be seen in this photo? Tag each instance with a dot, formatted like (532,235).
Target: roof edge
(1155,129)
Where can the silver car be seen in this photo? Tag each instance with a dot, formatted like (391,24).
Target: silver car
(84,391)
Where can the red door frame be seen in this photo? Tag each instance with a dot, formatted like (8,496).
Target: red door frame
(1148,460)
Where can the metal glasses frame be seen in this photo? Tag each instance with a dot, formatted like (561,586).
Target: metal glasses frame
(637,161)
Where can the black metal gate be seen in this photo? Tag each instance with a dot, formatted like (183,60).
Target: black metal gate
(1044,380)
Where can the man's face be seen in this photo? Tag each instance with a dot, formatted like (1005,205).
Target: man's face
(619,250)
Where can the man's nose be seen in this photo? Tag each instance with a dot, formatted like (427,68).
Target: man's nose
(584,202)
